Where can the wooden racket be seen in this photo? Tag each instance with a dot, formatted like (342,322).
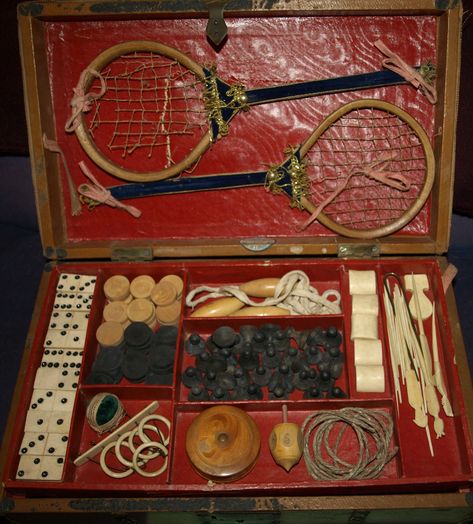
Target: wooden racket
(368,168)
(143,111)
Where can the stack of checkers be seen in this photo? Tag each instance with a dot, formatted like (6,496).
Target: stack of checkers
(141,300)
(143,356)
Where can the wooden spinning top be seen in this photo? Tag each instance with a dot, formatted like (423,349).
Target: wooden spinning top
(285,442)
(223,443)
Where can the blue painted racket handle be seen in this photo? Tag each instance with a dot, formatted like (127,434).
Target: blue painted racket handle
(318,87)
(188,184)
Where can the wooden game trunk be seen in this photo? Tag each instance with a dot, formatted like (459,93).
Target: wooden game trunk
(232,236)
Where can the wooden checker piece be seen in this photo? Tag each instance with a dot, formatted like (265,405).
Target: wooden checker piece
(117,287)
(176,281)
(163,293)
(141,310)
(116,312)
(223,443)
(110,334)
(141,286)
(168,315)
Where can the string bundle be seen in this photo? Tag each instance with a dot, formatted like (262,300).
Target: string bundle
(293,292)
(322,458)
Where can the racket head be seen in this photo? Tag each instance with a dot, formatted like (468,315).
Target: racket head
(356,135)
(167,72)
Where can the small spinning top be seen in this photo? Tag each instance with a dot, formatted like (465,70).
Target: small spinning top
(285,442)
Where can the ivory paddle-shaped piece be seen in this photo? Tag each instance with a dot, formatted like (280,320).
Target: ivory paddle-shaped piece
(219,308)
(419,283)
(285,442)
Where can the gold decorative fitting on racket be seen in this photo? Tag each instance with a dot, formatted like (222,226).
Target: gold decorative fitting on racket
(293,170)
(428,71)
(214,104)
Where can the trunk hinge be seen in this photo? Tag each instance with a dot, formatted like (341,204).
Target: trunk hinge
(358,250)
(132,254)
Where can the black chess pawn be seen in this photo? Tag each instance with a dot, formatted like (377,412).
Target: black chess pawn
(197,394)
(312,393)
(203,361)
(210,381)
(281,341)
(242,379)
(262,375)
(332,337)
(313,354)
(325,381)
(259,341)
(254,392)
(194,345)
(278,393)
(270,357)
(324,361)
(305,379)
(248,358)
(220,394)
(336,392)
(191,377)
(229,356)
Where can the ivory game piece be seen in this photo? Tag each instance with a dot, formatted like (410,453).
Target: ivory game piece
(370,379)
(168,315)
(362,282)
(368,352)
(365,304)
(364,326)
(141,310)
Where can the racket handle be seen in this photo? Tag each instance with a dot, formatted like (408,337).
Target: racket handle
(188,184)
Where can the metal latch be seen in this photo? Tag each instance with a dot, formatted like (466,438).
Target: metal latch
(216,27)
(257,244)
(358,250)
(132,254)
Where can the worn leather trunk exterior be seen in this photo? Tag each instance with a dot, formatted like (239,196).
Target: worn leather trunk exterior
(236,235)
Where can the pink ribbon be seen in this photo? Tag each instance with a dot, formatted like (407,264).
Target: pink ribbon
(395,63)
(82,102)
(100,194)
(375,170)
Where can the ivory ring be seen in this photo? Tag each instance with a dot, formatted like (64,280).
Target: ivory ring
(122,442)
(143,446)
(166,421)
(107,470)
(131,436)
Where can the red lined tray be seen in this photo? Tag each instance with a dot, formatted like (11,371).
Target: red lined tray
(412,469)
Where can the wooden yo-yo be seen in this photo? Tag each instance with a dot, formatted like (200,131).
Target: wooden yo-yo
(223,443)
(285,442)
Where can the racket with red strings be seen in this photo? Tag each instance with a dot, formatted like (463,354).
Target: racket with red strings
(144,111)
(365,172)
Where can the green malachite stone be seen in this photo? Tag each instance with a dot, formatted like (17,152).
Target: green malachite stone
(107,410)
